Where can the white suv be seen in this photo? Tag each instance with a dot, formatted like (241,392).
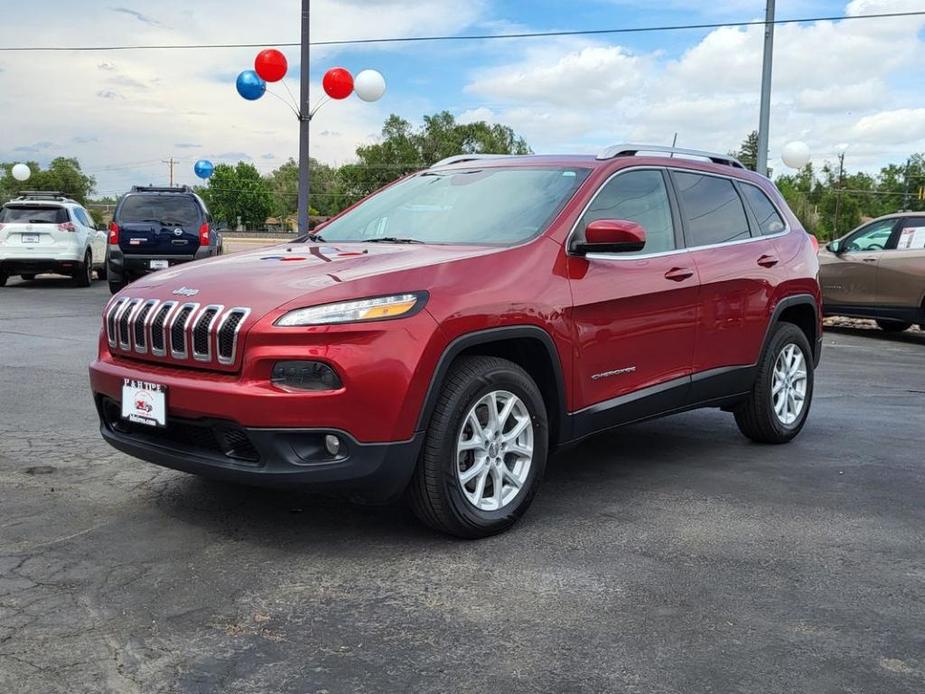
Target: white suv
(47,232)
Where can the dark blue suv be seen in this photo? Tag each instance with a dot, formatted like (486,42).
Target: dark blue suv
(154,228)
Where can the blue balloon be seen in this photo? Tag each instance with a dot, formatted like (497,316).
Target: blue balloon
(250,86)
(203,168)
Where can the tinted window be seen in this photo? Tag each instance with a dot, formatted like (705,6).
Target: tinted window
(874,237)
(82,218)
(36,214)
(477,206)
(712,208)
(769,221)
(170,210)
(637,196)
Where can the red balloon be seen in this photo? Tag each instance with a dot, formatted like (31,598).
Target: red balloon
(271,65)
(338,83)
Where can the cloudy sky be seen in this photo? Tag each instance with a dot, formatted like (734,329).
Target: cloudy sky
(852,85)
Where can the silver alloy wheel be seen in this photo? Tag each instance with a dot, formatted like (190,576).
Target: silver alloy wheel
(494,450)
(788,384)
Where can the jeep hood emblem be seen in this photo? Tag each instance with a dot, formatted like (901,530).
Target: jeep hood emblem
(185,291)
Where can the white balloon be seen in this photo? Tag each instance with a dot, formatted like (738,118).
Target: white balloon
(369,85)
(796,154)
(21,172)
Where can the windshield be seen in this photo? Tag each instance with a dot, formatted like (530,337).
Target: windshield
(171,210)
(481,206)
(37,214)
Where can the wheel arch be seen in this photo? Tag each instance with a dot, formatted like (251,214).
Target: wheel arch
(803,311)
(528,346)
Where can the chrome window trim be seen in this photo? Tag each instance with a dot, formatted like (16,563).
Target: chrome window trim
(207,355)
(171,307)
(127,307)
(676,251)
(184,353)
(146,326)
(227,361)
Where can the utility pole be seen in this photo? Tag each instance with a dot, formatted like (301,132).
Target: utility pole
(304,119)
(906,193)
(171,163)
(764,116)
(841,174)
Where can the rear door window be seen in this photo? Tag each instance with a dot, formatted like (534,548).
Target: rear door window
(169,210)
(712,209)
(769,219)
(912,235)
(33,214)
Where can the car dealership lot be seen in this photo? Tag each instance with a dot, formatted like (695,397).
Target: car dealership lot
(671,556)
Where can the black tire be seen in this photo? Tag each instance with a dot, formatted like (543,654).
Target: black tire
(3,278)
(756,416)
(116,287)
(435,492)
(893,326)
(103,269)
(83,274)
(29,277)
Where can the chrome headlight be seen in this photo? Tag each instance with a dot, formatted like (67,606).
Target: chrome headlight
(378,308)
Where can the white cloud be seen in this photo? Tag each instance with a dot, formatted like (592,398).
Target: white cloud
(833,82)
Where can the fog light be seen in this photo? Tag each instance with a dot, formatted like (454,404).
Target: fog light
(332,444)
(304,375)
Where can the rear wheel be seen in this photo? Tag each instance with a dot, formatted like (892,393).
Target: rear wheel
(893,326)
(484,452)
(28,277)
(103,269)
(116,287)
(83,276)
(3,278)
(776,409)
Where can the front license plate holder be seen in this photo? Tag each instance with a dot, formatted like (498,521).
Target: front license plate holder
(144,403)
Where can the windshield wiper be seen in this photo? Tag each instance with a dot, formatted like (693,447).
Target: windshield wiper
(391,239)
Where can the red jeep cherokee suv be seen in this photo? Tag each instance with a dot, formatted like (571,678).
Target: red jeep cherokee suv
(442,336)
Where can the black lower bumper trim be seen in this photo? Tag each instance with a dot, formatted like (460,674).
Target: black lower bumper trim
(38,266)
(276,457)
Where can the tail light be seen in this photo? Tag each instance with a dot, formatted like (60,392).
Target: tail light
(113,233)
(815,243)
(204,235)
(67,226)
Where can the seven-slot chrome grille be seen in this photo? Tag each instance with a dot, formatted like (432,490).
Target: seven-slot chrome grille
(175,331)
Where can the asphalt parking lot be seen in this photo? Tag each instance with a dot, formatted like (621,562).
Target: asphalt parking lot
(671,556)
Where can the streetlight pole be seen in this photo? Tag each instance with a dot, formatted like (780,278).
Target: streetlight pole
(765,113)
(304,120)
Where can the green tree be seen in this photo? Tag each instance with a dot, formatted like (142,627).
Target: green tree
(284,187)
(238,193)
(63,174)
(748,151)
(404,149)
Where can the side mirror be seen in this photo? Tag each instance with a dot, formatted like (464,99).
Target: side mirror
(612,236)
(834,247)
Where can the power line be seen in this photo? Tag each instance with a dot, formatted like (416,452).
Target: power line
(463,37)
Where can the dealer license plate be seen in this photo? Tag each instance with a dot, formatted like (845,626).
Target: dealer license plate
(144,403)
(30,238)
(159,265)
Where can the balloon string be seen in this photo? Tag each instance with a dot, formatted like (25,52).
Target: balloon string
(290,106)
(291,97)
(325,99)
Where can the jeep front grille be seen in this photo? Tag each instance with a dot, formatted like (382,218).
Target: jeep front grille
(171,331)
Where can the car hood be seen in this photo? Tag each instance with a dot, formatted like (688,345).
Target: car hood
(304,273)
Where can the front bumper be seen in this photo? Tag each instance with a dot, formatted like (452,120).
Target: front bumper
(221,449)
(122,266)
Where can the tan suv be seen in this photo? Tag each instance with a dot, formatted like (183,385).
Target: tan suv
(878,271)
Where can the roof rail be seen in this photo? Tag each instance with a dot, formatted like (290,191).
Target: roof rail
(161,189)
(633,150)
(43,195)
(460,158)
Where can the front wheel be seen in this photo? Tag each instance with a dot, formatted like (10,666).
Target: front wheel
(116,287)
(893,326)
(776,409)
(484,452)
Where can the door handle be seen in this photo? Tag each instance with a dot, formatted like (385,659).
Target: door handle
(679,274)
(869,260)
(768,261)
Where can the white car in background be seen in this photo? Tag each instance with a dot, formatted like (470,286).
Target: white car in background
(47,232)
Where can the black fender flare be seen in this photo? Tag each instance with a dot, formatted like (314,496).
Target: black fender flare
(511,332)
(797,300)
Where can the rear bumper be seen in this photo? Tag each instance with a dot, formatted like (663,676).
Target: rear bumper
(122,264)
(34,266)
(287,458)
